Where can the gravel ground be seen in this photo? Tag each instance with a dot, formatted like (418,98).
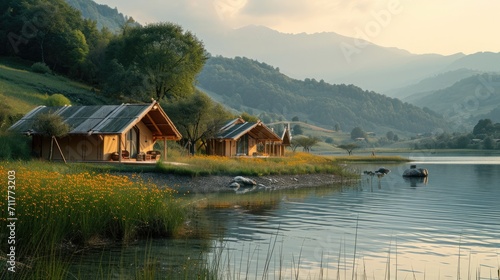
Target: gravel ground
(210,184)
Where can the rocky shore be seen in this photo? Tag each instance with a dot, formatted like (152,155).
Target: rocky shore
(210,184)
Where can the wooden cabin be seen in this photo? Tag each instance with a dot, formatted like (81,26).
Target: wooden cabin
(241,138)
(102,133)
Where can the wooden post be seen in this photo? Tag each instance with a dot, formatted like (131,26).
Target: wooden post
(59,147)
(164,148)
(119,147)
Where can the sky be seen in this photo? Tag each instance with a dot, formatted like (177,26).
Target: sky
(424,26)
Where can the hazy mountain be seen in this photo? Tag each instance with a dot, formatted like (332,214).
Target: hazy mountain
(466,99)
(102,14)
(328,56)
(431,84)
(324,56)
(245,84)
(481,61)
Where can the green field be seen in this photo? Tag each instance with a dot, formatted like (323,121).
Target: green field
(22,90)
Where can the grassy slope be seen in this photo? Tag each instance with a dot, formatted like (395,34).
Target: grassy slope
(23,90)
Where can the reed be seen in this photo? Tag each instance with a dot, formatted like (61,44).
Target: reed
(61,209)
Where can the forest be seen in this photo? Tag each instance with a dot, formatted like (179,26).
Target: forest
(257,85)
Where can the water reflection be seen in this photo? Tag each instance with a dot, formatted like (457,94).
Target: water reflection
(416,181)
(380,226)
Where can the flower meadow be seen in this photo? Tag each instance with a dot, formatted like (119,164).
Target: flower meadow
(292,164)
(60,209)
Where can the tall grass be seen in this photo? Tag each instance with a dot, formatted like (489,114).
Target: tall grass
(57,210)
(294,164)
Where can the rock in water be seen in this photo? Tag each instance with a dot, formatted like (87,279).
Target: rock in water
(383,170)
(243,181)
(415,172)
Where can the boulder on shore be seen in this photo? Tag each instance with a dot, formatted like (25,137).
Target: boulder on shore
(413,171)
(243,181)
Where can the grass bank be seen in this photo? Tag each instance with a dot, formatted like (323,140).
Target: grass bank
(374,159)
(293,164)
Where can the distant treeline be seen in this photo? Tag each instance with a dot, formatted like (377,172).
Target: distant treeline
(485,135)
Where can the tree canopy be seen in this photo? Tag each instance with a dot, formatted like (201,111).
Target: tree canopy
(162,58)
(197,117)
(357,132)
(349,147)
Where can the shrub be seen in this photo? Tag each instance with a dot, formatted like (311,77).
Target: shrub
(40,67)
(14,146)
(57,100)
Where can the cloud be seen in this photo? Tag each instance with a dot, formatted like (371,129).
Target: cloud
(420,26)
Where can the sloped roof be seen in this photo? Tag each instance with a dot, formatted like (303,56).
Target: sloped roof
(286,137)
(235,129)
(106,119)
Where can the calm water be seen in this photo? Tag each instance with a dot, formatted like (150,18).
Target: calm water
(384,228)
(427,229)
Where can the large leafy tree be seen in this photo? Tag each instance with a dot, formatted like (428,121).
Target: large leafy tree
(167,58)
(197,117)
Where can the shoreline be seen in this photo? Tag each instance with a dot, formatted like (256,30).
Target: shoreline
(220,183)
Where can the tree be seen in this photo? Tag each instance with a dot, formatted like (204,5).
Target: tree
(197,117)
(168,58)
(357,132)
(297,130)
(489,143)
(305,142)
(295,119)
(390,135)
(349,147)
(53,126)
(462,142)
(484,126)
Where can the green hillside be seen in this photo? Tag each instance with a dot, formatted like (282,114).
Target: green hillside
(21,89)
(465,100)
(103,15)
(243,82)
(431,84)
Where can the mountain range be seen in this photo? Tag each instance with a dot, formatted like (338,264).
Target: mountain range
(331,58)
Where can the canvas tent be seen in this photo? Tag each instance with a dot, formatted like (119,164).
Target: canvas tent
(100,133)
(241,138)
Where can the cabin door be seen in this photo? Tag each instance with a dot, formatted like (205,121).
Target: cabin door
(132,144)
(242,145)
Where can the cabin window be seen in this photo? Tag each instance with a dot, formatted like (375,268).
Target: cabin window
(242,145)
(132,144)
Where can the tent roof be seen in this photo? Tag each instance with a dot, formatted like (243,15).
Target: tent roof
(237,128)
(106,119)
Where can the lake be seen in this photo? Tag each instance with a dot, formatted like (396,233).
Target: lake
(444,227)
